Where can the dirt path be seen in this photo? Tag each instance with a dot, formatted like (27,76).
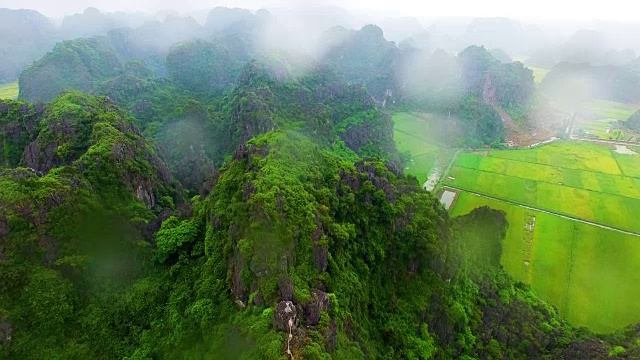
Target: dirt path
(568,217)
(602,141)
(446,171)
(433,178)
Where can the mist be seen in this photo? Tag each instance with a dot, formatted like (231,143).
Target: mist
(409,54)
(310,179)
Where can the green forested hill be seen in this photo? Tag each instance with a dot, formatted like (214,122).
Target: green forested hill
(248,207)
(583,81)
(77,65)
(365,57)
(102,257)
(207,70)
(25,35)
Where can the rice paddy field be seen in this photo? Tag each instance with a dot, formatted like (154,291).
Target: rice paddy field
(590,273)
(413,134)
(538,73)
(9,91)
(598,116)
(576,179)
(612,109)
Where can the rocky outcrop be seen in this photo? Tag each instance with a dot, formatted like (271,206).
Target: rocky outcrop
(55,146)
(633,122)
(144,194)
(18,127)
(285,289)
(155,224)
(320,250)
(251,110)
(489,91)
(247,151)
(63,138)
(258,299)
(209,184)
(587,349)
(238,288)
(254,120)
(193,169)
(367,172)
(320,257)
(363,57)
(372,137)
(357,136)
(285,316)
(318,303)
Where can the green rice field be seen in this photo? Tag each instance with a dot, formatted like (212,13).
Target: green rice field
(9,91)
(412,134)
(591,274)
(612,109)
(599,115)
(580,180)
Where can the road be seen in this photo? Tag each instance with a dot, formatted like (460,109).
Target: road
(544,211)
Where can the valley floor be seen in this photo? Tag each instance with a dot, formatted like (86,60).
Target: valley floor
(573,234)
(9,91)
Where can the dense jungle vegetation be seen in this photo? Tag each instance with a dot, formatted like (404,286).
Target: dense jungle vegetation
(229,203)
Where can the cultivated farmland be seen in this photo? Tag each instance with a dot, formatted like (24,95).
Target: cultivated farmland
(603,119)
(9,91)
(579,180)
(590,273)
(414,134)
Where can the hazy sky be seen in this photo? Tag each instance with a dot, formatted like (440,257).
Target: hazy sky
(542,9)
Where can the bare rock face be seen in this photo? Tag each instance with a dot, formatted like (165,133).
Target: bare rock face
(32,155)
(367,172)
(319,302)
(258,300)
(238,288)
(586,349)
(43,153)
(320,257)
(285,316)
(285,289)
(154,225)
(378,133)
(320,253)
(144,194)
(489,91)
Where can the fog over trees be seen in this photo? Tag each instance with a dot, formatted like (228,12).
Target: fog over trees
(262,181)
